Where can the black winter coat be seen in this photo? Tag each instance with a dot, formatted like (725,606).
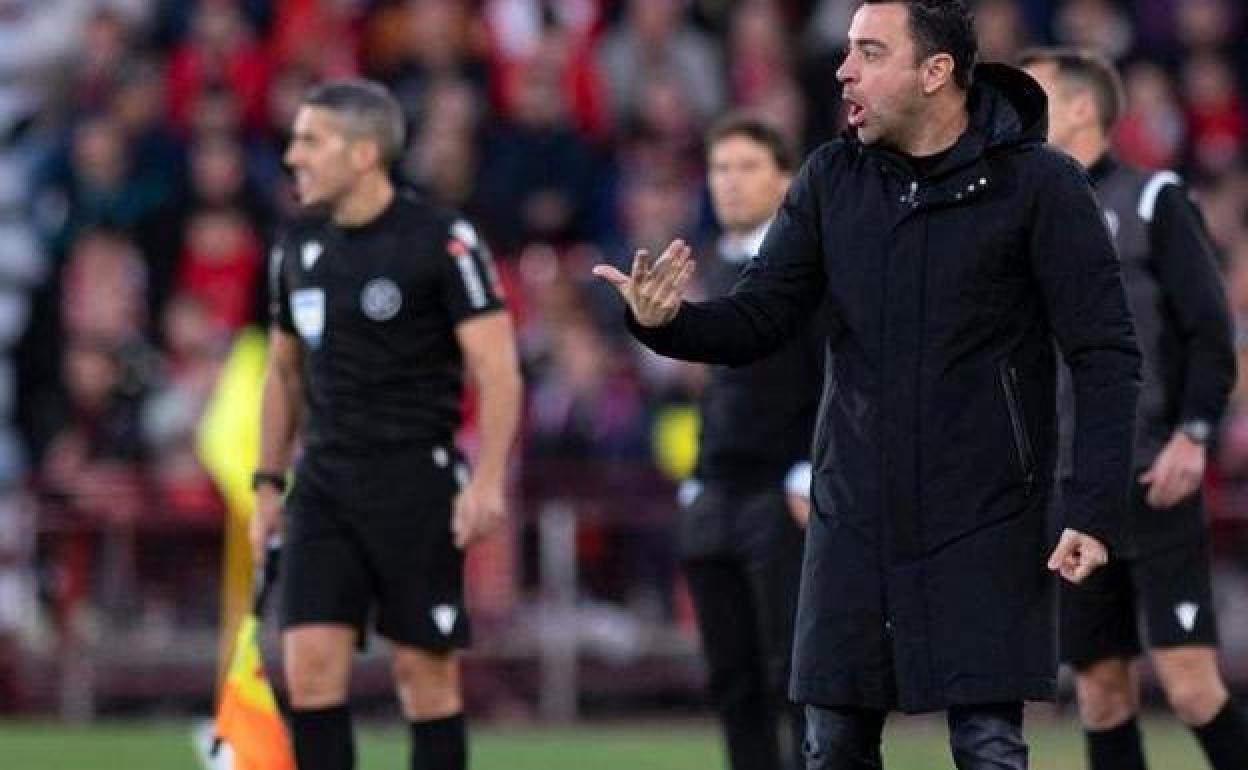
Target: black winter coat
(924,582)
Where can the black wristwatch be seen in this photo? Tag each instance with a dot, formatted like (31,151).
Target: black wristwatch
(275,480)
(1197,431)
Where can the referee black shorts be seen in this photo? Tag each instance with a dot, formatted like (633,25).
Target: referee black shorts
(1163,599)
(374,539)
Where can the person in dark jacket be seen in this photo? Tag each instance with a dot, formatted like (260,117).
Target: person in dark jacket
(952,246)
(1184,329)
(741,549)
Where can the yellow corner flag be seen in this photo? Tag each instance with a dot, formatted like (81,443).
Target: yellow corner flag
(227,443)
(248,719)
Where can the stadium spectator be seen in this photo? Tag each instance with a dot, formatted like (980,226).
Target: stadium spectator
(93,182)
(562,33)
(438,42)
(656,41)
(1152,130)
(583,406)
(1217,118)
(541,170)
(94,463)
(220,52)
(171,412)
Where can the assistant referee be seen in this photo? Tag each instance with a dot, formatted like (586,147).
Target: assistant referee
(381,301)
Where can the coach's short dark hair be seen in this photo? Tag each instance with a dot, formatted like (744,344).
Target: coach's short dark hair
(736,124)
(1087,68)
(368,109)
(942,26)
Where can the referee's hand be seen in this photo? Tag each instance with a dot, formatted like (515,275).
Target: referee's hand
(655,288)
(478,510)
(1077,555)
(265,522)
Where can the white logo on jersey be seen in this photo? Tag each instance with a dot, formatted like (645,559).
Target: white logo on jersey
(310,253)
(1186,614)
(463,246)
(381,299)
(444,616)
(1112,222)
(307,309)
(464,232)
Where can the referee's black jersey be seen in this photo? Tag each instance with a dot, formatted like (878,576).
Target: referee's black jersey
(375,307)
(1182,326)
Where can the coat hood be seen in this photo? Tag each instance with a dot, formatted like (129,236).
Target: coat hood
(1007,106)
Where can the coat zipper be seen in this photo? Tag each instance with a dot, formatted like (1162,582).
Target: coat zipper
(1018,425)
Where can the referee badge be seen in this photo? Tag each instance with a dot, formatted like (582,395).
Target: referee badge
(444,616)
(1185,612)
(307,310)
(310,252)
(381,299)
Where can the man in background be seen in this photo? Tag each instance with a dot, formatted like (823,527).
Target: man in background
(1161,578)
(740,547)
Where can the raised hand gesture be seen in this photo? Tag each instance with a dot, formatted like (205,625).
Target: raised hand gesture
(654,289)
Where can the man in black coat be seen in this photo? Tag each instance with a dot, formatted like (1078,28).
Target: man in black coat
(1183,325)
(952,246)
(740,548)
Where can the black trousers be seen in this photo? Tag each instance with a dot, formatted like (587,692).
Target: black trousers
(981,737)
(742,561)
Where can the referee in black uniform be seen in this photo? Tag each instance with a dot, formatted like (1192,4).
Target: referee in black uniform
(380,303)
(1161,580)
(741,549)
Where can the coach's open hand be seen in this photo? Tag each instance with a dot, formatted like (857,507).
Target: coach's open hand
(1077,555)
(478,510)
(654,289)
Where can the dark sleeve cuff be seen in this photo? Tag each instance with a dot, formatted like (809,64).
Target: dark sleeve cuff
(657,338)
(1095,515)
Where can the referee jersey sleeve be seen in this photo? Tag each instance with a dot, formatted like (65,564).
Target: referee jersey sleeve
(1188,273)
(279,305)
(470,284)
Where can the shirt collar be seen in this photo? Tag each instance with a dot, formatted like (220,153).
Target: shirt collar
(742,248)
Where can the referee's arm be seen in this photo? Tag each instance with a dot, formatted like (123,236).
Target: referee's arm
(280,401)
(488,346)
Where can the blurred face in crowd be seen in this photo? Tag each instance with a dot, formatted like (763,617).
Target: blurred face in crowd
(655,20)
(745,182)
(100,152)
(1072,108)
(326,158)
(882,85)
(999,28)
(189,329)
(217,173)
(436,31)
(91,374)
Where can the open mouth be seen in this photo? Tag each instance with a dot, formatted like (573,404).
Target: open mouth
(856,114)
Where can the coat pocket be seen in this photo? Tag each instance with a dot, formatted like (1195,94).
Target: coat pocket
(1008,375)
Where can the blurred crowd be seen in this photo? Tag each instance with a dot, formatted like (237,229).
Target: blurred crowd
(141,181)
